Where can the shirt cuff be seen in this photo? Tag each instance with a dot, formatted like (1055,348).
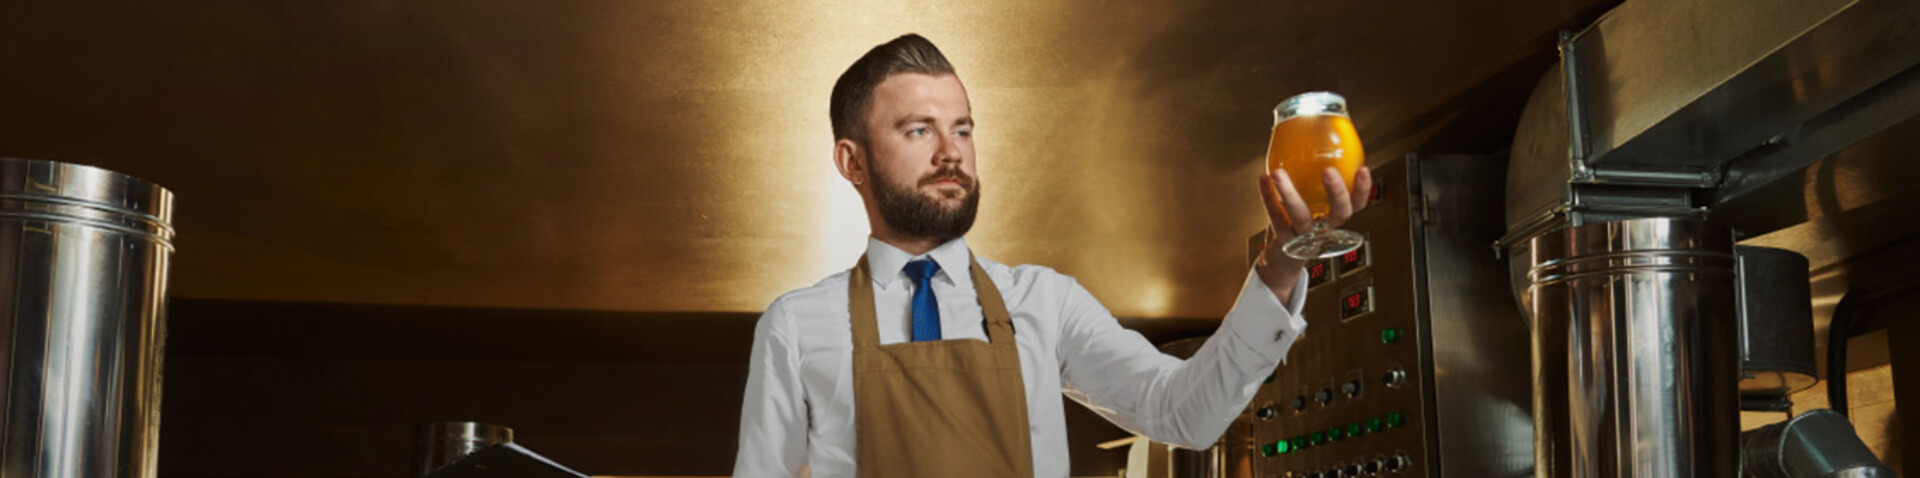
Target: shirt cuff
(1260,320)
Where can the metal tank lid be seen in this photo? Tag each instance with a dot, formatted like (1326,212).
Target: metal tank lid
(77,193)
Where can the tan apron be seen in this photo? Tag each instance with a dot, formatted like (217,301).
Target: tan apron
(944,408)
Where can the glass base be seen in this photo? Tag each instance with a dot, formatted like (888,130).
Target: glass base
(1323,243)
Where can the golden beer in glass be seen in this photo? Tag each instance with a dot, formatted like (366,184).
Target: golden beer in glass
(1311,132)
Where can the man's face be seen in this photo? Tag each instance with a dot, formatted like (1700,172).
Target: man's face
(919,144)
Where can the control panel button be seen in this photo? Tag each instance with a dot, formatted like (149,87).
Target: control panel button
(1300,403)
(1374,467)
(1395,420)
(1398,462)
(1336,433)
(1354,429)
(1390,335)
(1394,378)
(1325,396)
(1374,425)
(1266,412)
(1351,388)
(1317,438)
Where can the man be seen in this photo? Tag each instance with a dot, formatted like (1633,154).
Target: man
(925,361)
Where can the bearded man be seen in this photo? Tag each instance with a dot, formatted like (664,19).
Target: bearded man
(924,360)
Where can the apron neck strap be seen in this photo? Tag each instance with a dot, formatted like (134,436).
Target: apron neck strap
(866,328)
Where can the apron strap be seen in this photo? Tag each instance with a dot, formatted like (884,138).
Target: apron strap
(866,328)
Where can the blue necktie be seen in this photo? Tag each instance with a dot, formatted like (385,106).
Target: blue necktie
(926,311)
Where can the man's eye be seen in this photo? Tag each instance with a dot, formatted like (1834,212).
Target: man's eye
(965,133)
(917,132)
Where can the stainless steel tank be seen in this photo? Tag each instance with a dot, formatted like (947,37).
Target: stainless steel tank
(1635,350)
(83,264)
(438,444)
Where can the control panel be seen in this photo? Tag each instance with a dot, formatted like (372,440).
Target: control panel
(1357,395)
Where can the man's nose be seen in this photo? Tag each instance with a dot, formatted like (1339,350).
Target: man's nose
(949,152)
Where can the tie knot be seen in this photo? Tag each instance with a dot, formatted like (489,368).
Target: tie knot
(921,270)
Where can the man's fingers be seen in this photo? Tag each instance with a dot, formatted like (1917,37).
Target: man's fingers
(1339,201)
(1295,206)
(1276,209)
(1362,188)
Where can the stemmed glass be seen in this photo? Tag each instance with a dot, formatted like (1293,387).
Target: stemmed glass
(1311,132)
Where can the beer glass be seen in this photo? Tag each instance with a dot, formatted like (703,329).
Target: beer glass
(1311,132)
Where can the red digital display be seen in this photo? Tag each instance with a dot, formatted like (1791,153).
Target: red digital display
(1357,303)
(1319,272)
(1354,259)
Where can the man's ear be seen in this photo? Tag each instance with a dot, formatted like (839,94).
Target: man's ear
(851,161)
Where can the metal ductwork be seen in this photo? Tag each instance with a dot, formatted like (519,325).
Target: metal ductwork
(83,256)
(1679,106)
(1658,116)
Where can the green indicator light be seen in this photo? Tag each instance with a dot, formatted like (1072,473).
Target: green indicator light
(1318,438)
(1336,433)
(1390,335)
(1373,425)
(1300,443)
(1270,449)
(1283,447)
(1354,429)
(1395,420)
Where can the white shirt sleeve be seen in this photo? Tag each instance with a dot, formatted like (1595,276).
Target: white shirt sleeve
(773,416)
(1118,374)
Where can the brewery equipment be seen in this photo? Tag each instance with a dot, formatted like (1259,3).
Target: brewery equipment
(438,444)
(83,260)
(1414,361)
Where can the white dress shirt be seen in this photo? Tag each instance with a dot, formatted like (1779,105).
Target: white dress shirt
(798,412)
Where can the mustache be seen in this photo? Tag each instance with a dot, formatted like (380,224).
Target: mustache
(954,173)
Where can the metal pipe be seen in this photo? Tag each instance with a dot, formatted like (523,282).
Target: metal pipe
(84,253)
(1635,359)
(1816,444)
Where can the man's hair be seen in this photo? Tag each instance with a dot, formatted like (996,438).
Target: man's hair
(853,92)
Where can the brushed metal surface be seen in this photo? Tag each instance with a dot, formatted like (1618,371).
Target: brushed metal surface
(1461,357)
(83,256)
(1675,97)
(1482,398)
(1635,350)
(1667,89)
(675,155)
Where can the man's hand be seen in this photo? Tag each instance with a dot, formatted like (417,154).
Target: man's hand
(1288,216)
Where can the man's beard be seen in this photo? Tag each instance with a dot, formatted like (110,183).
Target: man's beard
(916,215)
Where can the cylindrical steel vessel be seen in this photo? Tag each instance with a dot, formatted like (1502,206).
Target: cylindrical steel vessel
(83,253)
(439,444)
(1634,345)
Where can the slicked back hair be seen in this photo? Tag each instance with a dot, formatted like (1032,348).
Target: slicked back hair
(853,92)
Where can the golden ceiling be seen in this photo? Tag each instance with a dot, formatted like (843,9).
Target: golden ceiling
(675,155)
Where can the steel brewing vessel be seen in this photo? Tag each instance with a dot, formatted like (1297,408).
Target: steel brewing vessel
(83,278)
(1635,350)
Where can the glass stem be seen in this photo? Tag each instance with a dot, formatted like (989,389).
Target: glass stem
(1319,225)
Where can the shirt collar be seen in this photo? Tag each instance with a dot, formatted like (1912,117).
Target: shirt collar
(954,258)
